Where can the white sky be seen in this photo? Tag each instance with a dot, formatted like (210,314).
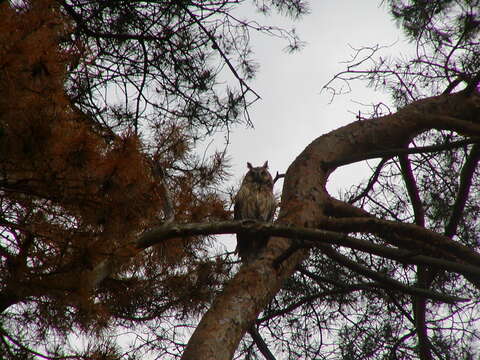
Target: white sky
(292,112)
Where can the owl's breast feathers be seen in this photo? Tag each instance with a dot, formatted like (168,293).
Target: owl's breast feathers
(253,201)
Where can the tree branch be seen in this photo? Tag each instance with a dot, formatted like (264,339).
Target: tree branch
(371,182)
(466,177)
(278,177)
(222,54)
(412,189)
(385,281)
(419,302)
(344,289)
(261,345)
(305,203)
(388,154)
(309,237)
(412,236)
(95,34)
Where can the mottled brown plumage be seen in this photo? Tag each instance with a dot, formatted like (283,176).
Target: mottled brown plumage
(254,200)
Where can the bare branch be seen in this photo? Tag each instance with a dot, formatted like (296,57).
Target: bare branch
(373,179)
(278,177)
(412,236)
(222,54)
(419,303)
(261,345)
(465,183)
(304,237)
(402,151)
(343,289)
(412,189)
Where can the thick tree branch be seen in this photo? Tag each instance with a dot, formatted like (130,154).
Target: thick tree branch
(304,237)
(309,238)
(412,236)
(390,153)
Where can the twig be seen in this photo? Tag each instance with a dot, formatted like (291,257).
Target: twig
(278,177)
(371,182)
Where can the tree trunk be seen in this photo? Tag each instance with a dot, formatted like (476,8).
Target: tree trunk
(305,202)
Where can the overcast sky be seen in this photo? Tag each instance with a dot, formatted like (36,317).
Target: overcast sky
(292,111)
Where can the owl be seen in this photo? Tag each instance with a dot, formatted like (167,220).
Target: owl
(254,200)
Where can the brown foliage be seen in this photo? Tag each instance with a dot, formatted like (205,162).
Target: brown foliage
(71,197)
(50,156)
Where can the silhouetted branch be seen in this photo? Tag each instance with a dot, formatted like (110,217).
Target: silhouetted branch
(412,189)
(401,151)
(346,289)
(261,345)
(373,179)
(313,237)
(466,176)
(419,302)
(278,177)
(105,35)
(217,47)
(453,85)
(385,281)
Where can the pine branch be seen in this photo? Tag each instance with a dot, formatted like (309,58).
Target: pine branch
(419,302)
(261,345)
(373,179)
(466,176)
(313,237)
(401,151)
(385,281)
(410,235)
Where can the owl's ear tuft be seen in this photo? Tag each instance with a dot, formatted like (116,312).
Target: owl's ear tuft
(265,165)
(249,166)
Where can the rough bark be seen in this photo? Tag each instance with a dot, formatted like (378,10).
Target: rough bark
(304,203)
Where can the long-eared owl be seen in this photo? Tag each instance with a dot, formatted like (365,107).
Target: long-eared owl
(254,200)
